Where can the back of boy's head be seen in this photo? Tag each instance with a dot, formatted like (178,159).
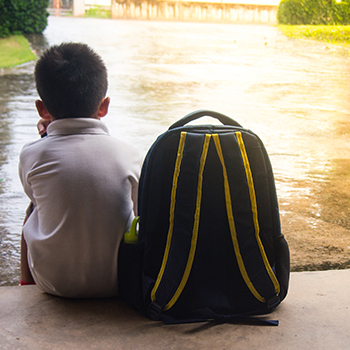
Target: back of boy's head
(71,80)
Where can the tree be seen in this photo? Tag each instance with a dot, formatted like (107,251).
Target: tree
(23,16)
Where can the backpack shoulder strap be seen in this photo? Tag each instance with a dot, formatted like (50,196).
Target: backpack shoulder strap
(183,224)
(249,251)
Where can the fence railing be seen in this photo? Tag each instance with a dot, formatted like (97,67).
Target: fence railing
(246,11)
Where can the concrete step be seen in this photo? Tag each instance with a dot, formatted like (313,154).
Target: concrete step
(315,315)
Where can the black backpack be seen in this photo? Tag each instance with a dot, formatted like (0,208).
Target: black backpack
(209,244)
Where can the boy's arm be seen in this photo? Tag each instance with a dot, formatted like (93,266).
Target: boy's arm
(26,275)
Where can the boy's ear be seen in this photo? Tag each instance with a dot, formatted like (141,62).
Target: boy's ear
(103,109)
(43,112)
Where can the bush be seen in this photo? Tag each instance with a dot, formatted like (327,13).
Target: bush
(292,12)
(97,12)
(23,16)
(313,12)
(4,20)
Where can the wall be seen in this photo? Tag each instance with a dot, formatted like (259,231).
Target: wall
(78,7)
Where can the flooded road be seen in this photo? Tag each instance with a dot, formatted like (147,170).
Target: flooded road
(293,94)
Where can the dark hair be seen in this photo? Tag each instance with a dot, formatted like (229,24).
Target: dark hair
(71,80)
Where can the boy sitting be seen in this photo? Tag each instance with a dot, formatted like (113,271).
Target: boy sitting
(82,182)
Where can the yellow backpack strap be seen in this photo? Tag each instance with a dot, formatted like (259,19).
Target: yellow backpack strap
(251,257)
(186,194)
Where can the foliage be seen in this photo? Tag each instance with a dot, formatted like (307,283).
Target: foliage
(314,12)
(339,35)
(98,12)
(15,50)
(22,16)
(4,20)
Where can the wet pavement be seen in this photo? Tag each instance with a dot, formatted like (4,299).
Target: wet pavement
(293,94)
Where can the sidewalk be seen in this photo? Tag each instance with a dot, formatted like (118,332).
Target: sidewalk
(315,315)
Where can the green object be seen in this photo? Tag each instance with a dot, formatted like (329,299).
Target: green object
(23,16)
(132,236)
(315,12)
(15,50)
(97,12)
(337,35)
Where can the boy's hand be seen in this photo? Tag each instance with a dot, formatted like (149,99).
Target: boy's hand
(42,125)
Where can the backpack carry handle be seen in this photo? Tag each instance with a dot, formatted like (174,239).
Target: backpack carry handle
(224,119)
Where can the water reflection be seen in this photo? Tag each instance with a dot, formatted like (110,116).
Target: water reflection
(16,97)
(293,94)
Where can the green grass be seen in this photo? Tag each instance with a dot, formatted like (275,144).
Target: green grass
(97,12)
(15,50)
(332,34)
